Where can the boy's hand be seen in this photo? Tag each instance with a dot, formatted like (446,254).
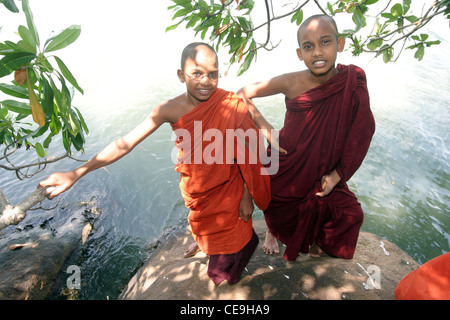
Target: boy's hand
(246,205)
(329,181)
(273,140)
(61,181)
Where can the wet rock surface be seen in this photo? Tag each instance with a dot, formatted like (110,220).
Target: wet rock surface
(28,272)
(33,257)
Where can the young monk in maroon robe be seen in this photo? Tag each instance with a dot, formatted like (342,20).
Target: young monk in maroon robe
(218,193)
(327,131)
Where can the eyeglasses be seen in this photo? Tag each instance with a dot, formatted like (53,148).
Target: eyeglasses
(197,76)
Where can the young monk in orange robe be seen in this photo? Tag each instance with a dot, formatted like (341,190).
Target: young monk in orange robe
(210,191)
(327,132)
(219,195)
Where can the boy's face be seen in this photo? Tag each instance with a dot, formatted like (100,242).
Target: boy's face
(319,46)
(204,66)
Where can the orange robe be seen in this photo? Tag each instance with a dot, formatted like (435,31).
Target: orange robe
(429,282)
(213,191)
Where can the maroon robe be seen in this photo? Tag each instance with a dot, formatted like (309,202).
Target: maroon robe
(326,128)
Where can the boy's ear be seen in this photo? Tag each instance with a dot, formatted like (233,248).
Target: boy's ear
(180,75)
(299,54)
(341,44)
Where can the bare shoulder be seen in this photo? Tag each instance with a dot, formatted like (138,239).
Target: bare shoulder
(296,83)
(170,110)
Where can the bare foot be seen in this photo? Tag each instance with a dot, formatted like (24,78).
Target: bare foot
(270,244)
(192,250)
(315,251)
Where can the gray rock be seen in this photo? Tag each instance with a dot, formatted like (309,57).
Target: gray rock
(373,273)
(31,271)
(28,273)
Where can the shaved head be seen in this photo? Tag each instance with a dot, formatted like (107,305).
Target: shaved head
(317,18)
(191,52)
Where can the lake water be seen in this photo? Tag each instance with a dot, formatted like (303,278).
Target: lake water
(127,64)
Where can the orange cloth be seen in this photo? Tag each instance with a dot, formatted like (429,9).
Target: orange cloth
(213,191)
(429,282)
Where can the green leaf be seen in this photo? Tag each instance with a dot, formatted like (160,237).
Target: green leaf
(194,19)
(66,140)
(330,8)
(389,16)
(47,97)
(181,13)
(74,123)
(172,27)
(297,17)
(67,74)
(183,3)
(387,55)
(14,91)
(420,52)
(23,46)
(14,61)
(397,10)
(406,6)
(40,150)
(3,114)
(10,5)
(16,106)
(244,23)
(55,125)
(374,44)
(248,59)
(412,19)
(359,19)
(44,63)
(30,22)
(9,47)
(28,38)
(62,101)
(65,38)
(77,141)
(83,123)
(48,140)
(423,36)
(430,43)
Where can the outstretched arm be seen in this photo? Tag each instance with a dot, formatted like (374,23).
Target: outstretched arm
(62,181)
(263,89)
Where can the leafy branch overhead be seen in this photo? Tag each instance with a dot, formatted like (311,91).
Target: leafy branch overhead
(42,87)
(380,27)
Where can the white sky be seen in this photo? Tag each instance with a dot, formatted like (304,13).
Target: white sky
(125,41)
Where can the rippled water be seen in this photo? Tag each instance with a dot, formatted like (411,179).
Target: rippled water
(125,71)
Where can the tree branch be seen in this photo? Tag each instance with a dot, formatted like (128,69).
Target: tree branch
(41,165)
(13,215)
(320,8)
(276,18)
